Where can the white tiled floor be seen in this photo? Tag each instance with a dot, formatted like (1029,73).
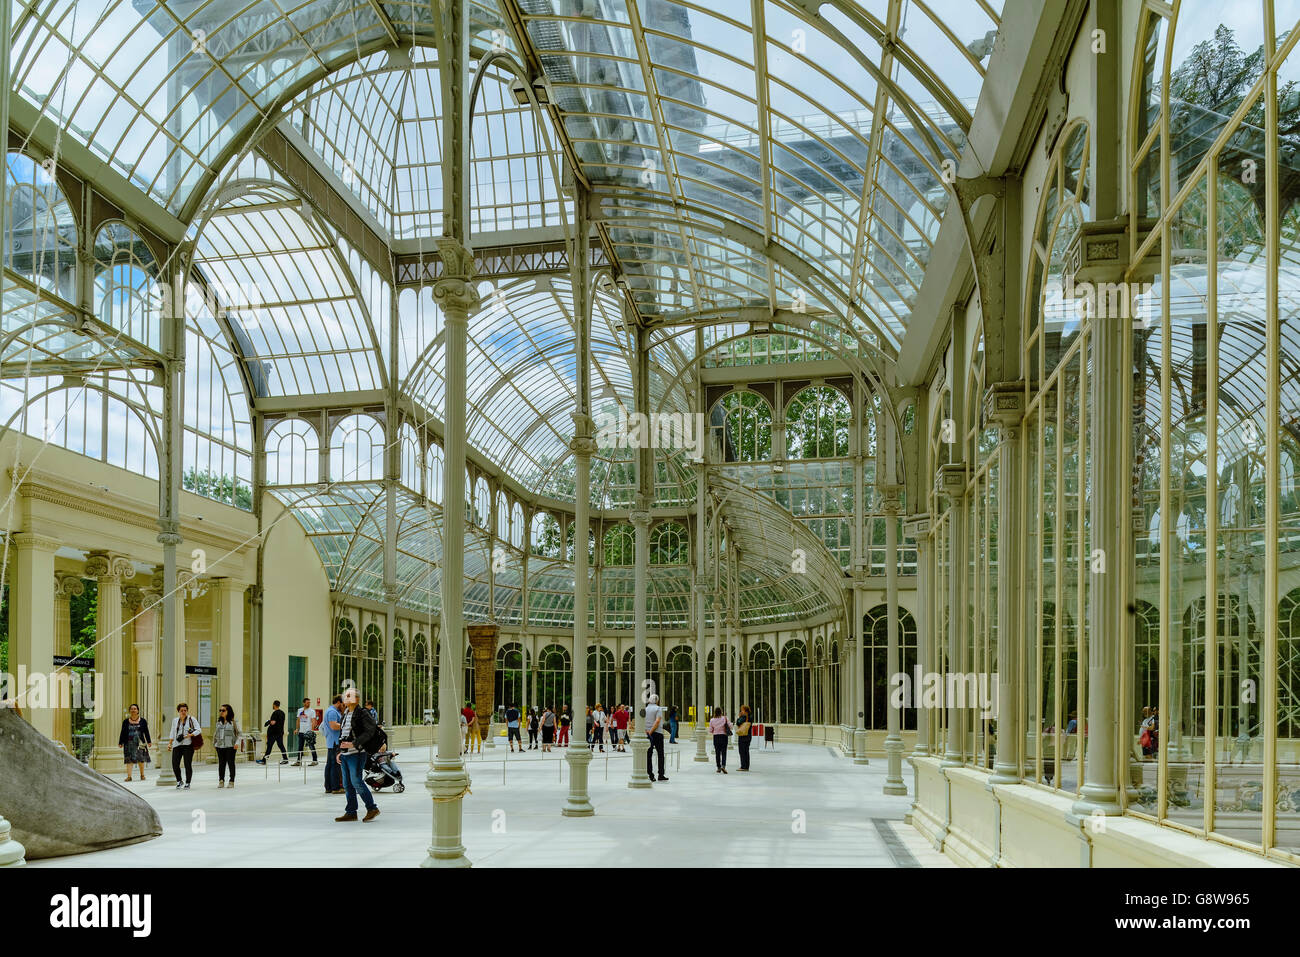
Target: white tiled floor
(698,818)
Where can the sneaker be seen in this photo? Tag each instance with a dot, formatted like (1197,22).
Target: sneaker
(724,770)
(221,784)
(296,764)
(178,785)
(662,778)
(284,760)
(260,761)
(187,787)
(313,764)
(370,815)
(231,784)
(347,817)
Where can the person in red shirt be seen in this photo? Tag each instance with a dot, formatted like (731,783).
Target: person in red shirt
(620,723)
(472,737)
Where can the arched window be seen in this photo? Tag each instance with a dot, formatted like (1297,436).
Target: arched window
(127,297)
(555,680)
(357,450)
(433,474)
(546,535)
(343,666)
(482,504)
(833,715)
(422,681)
(817,424)
(503,517)
(668,544)
(511,675)
(679,681)
(744,420)
(762,682)
(401,695)
(292,453)
(410,457)
(629,695)
(602,676)
(42,230)
(370,684)
(620,545)
(517,526)
(875,636)
(796,684)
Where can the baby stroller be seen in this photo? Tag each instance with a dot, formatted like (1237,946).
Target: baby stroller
(383,772)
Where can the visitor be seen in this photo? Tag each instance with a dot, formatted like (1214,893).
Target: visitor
(512,729)
(620,726)
(135,741)
(333,729)
(672,725)
(473,740)
(274,734)
(225,738)
(307,725)
(184,730)
(548,728)
(374,712)
(533,726)
(566,719)
(1144,733)
(1155,731)
(1072,725)
(720,727)
(744,725)
(598,722)
(464,731)
(654,721)
(359,733)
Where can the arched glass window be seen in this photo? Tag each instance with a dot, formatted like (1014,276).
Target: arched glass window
(370,684)
(875,632)
(679,681)
(627,694)
(410,457)
(127,296)
(343,665)
(511,675)
(796,683)
(817,424)
(433,473)
(422,681)
(762,682)
(482,504)
(546,535)
(620,545)
(602,675)
(292,453)
(517,526)
(401,694)
(669,544)
(357,450)
(555,679)
(503,517)
(42,240)
(744,420)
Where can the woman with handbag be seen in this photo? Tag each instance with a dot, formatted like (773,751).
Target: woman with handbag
(185,738)
(744,725)
(720,727)
(135,741)
(225,738)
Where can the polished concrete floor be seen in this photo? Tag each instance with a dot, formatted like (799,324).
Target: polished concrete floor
(801,805)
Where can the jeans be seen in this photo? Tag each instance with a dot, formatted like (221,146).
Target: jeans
(354,766)
(720,750)
(656,747)
(306,739)
(598,736)
(333,773)
(672,731)
(183,752)
(225,758)
(271,741)
(742,746)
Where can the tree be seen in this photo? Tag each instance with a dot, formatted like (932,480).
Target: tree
(219,488)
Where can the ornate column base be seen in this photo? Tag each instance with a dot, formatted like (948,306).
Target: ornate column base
(640,746)
(1004,774)
(448,783)
(894,771)
(860,746)
(579,802)
(12,854)
(489,742)
(701,744)
(1097,800)
(107,760)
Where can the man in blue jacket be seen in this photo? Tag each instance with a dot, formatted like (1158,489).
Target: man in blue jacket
(332,724)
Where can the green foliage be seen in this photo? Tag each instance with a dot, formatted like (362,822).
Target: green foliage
(219,488)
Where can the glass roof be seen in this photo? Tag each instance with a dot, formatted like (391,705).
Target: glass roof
(742,154)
